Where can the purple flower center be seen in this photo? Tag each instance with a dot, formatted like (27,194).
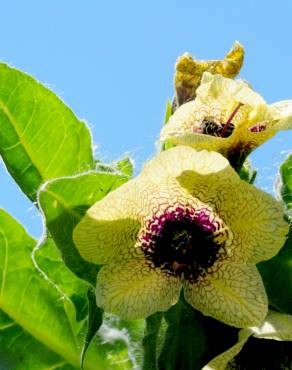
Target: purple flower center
(182,240)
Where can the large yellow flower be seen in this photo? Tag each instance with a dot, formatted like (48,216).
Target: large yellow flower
(226,116)
(187,221)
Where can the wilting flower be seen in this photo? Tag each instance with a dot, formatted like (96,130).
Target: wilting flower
(226,116)
(189,71)
(187,221)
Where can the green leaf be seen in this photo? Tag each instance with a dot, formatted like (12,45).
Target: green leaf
(64,202)
(36,317)
(49,261)
(277,272)
(153,324)
(185,339)
(168,111)
(126,166)
(286,175)
(277,276)
(19,350)
(95,315)
(40,137)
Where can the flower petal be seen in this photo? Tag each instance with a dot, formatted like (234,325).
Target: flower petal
(110,226)
(258,223)
(234,294)
(175,161)
(183,125)
(226,90)
(277,326)
(283,112)
(135,289)
(220,362)
(255,218)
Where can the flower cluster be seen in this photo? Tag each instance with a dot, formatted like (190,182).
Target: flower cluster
(188,222)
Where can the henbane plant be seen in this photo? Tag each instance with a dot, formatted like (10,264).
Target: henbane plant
(185,266)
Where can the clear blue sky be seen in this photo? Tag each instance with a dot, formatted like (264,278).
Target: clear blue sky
(112,62)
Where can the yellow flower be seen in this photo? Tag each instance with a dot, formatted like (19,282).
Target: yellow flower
(189,71)
(227,116)
(186,222)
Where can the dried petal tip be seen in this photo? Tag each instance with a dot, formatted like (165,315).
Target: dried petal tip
(189,71)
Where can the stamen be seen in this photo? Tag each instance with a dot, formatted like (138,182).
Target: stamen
(229,121)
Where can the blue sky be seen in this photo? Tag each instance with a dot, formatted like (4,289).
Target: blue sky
(112,63)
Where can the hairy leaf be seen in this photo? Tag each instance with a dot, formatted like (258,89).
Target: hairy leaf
(35,309)
(40,137)
(48,259)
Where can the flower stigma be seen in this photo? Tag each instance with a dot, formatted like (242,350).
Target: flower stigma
(209,125)
(229,121)
(185,241)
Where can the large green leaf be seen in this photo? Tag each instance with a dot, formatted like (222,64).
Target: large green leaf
(19,350)
(40,137)
(277,272)
(39,309)
(64,202)
(35,310)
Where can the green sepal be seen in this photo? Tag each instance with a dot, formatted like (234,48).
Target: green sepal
(247,172)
